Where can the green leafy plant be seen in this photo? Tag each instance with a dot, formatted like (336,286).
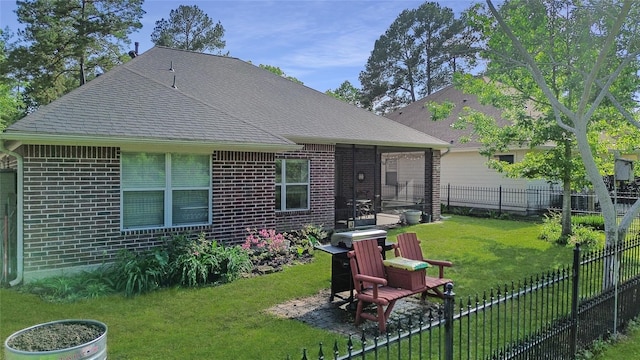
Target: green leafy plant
(72,287)
(304,240)
(584,231)
(595,222)
(136,273)
(201,261)
(551,229)
(588,238)
(234,261)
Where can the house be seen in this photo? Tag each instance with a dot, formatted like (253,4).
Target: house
(464,175)
(182,142)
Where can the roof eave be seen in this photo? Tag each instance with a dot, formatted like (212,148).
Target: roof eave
(334,141)
(148,144)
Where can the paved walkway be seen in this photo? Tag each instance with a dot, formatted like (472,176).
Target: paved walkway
(337,317)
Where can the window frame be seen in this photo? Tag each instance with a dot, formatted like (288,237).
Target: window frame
(167,190)
(501,157)
(283,185)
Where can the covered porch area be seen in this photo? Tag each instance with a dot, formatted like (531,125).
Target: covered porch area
(376,185)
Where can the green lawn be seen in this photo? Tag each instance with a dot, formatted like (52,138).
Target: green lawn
(628,347)
(230,321)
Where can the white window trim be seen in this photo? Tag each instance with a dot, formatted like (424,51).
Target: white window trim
(284,184)
(168,198)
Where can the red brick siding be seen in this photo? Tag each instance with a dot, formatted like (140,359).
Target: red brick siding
(321,212)
(71,206)
(72,202)
(243,193)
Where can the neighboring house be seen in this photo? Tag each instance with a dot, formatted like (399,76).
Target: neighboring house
(462,167)
(182,142)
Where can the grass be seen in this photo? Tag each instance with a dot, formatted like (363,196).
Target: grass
(230,321)
(627,346)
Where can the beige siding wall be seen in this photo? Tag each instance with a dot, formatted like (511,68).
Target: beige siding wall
(471,169)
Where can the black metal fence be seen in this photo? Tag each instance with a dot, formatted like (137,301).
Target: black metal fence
(529,201)
(548,316)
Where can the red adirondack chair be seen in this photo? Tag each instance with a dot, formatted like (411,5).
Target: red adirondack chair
(370,283)
(408,246)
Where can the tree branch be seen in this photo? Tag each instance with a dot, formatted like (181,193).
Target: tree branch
(535,71)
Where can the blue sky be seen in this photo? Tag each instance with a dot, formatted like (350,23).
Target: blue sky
(320,42)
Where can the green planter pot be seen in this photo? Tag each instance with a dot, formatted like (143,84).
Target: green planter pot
(413,216)
(93,349)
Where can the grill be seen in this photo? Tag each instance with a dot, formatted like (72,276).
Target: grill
(341,244)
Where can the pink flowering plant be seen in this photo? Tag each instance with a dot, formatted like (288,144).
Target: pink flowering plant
(265,240)
(266,247)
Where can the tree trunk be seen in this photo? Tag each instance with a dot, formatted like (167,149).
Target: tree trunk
(566,190)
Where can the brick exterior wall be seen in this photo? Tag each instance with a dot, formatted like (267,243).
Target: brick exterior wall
(243,194)
(72,203)
(71,206)
(322,171)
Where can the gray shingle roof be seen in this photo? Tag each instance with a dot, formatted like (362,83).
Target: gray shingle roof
(216,100)
(417,116)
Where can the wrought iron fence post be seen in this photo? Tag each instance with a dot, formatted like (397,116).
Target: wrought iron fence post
(500,200)
(575,301)
(449,197)
(449,304)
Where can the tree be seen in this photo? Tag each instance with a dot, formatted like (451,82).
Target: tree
(548,27)
(601,74)
(347,93)
(11,108)
(276,70)
(66,42)
(415,57)
(189,28)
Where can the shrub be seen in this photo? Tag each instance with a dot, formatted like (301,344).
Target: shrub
(271,249)
(72,287)
(595,222)
(196,262)
(136,273)
(235,261)
(303,241)
(551,229)
(588,238)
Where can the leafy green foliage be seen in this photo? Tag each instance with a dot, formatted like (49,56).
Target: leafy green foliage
(586,231)
(440,111)
(579,66)
(73,287)
(303,241)
(416,56)
(595,222)
(588,238)
(347,93)
(189,28)
(196,262)
(140,272)
(551,229)
(276,70)
(11,105)
(65,43)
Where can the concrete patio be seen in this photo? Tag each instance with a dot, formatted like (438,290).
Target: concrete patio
(337,317)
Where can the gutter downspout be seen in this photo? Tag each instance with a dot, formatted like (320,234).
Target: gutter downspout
(19,216)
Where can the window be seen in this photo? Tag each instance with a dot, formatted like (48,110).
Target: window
(165,190)
(391,173)
(292,184)
(506,158)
